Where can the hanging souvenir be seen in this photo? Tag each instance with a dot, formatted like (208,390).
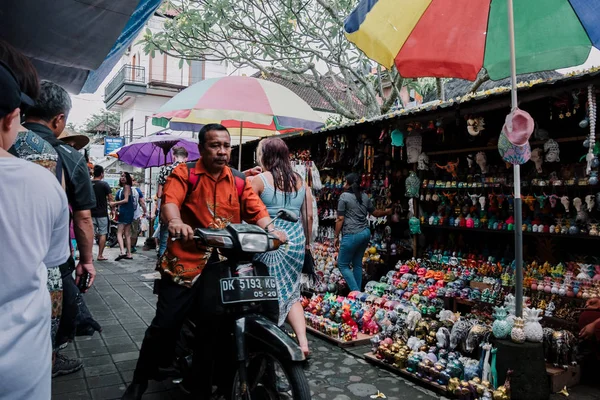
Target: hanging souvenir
(423,162)
(413,148)
(537,156)
(475,126)
(481,160)
(590,201)
(565,202)
(470,160)
(397,141)
(512,153)
(415,226)
(552,151)
(591,141)
(450,167)
(413,184)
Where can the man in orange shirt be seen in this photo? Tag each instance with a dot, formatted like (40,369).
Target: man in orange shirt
(212,201)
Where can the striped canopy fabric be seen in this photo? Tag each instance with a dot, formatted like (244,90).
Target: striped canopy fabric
(265,108)
(456,38)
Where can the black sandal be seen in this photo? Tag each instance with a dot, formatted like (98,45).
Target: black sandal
(121,256)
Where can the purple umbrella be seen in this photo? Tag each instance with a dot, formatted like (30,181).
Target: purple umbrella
(155,150)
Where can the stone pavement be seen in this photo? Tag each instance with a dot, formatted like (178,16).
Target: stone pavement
(122,302)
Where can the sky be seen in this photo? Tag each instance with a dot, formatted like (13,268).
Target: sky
(85,105)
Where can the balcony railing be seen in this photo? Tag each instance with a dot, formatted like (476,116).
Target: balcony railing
(128,74)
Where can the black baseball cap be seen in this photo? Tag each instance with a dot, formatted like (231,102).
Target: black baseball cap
(11,96)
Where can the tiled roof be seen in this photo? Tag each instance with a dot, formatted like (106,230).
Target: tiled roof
(103,127)
(577,77)
(313,98)
(168,10)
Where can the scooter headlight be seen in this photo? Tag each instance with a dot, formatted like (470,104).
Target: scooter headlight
(254,243)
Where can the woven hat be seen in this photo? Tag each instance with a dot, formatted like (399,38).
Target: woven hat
(511,153)
(79,141)
(518,127)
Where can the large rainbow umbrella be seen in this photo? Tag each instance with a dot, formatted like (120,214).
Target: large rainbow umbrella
(245,105)
(456,38)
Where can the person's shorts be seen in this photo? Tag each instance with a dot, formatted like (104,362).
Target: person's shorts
(100,225)
(135,227)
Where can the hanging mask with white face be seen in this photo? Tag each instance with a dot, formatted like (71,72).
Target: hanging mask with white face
(481,160)
(552,151)
(590,201)
(577,204)
(413,148)
(423,162)
(565,202)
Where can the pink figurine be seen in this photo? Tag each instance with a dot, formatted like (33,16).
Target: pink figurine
(597,275)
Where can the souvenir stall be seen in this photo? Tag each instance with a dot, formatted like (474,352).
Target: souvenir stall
(442,311)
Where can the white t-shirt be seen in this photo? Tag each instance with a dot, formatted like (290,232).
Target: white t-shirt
(34,232)
(137,194)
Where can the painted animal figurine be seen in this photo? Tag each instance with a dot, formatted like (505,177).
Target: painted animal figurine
(450,167)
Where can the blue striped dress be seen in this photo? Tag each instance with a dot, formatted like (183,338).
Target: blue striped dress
(285,263)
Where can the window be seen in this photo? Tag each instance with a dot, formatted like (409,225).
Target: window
(196,71)
(128,129)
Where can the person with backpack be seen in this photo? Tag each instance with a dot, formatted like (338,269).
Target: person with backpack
(47,118)
(205,194)
(180,155)
(100,212)
(34,225)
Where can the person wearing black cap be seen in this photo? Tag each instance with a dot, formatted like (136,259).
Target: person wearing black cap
(33,228)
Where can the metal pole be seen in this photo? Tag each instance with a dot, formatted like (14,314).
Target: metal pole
(517,171)
(240,149)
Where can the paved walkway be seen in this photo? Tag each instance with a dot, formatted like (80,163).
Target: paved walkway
(122,302)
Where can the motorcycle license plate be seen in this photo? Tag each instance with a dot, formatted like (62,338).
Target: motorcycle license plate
(248,289)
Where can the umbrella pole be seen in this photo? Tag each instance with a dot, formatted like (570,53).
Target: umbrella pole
(517,172)
(240,149)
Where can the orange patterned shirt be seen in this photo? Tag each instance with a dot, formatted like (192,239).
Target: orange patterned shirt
(213,204)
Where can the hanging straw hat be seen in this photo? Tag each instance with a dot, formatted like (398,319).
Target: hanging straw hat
(78,141)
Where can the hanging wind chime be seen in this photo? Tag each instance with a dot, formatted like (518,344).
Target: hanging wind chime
(591,156)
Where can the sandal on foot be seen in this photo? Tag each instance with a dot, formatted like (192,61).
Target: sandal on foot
(121,256)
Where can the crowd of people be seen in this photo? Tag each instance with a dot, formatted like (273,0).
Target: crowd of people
(56,196)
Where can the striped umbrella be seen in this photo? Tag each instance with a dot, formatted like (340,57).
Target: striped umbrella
(265,108)
(250,106)
(455,38)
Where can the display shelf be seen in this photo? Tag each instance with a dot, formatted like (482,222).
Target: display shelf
(440,389)
(495,146)
(503,231)
(361,338)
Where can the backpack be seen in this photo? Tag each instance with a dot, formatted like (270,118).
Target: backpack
(193,179)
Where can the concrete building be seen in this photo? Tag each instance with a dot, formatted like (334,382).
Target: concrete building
(140,84)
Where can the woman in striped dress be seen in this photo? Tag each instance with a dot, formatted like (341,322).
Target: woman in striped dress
(279,187)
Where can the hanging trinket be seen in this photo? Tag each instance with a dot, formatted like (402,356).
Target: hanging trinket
(450,167)
(589,158)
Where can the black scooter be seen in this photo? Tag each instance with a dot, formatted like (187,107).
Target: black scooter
(259,360)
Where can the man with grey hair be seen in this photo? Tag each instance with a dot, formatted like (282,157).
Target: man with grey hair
(48,118)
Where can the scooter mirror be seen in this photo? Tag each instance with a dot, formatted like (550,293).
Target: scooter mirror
(287,215)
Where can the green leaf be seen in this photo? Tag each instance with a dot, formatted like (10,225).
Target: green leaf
(181,63)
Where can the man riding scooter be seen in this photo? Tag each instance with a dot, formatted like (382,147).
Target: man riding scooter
(209,195)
